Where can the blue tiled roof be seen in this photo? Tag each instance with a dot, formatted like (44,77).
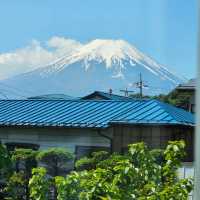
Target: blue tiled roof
(90,114)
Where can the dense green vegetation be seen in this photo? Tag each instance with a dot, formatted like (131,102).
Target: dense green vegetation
(55,160)
(139,174)
(174,98)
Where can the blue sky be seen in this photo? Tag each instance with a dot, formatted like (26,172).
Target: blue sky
(166,30)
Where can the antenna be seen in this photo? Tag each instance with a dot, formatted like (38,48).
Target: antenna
(110,91)
(126,92)
(140,84)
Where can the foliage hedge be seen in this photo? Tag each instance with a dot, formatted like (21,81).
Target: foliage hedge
(140,174)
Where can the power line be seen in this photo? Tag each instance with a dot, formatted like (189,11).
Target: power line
(140,84)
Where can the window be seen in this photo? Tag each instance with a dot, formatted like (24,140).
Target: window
(11,146)
(193,108)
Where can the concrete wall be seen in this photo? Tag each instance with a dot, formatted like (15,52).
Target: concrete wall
(54,137)
(154,136)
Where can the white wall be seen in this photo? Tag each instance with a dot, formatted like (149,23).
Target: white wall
(54,137)
(187,171)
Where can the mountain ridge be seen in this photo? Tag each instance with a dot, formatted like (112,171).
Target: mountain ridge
(103,64)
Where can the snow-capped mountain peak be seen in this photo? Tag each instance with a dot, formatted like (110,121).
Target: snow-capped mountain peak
(98,65)
(108,51)
(111,53)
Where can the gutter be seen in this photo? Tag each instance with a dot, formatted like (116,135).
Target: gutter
(151,124)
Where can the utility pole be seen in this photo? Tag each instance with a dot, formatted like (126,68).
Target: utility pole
(140,84)
(126,92)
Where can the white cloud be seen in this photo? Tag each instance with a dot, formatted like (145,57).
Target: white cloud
(63,45)
(35,55)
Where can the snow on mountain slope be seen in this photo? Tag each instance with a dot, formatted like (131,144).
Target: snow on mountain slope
(98,65)
(111,52)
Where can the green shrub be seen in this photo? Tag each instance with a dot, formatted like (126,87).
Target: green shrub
(84,163)
(39,185)
(55,160)
(5,163)
(16,187)
(88,163)
(141,174)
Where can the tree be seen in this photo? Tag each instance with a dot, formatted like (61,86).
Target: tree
(39,184)
(5,159)
(16,187)
(55,160)
(5,168)
(91,162)
(174,98)
(140,174)
(24,160)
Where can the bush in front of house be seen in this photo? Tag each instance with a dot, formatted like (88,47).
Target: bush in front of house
(87,163)
(22,161)
(55,160)
(5,161)
(39,184)
(140,174)
(5,169)
(16,187)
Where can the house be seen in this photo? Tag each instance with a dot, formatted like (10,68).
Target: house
(189,88)
(84,126)
(99,95)
(53,97)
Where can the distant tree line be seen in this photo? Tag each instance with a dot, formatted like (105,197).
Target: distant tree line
(174,98)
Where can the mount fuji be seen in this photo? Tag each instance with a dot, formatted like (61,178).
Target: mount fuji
(98,65)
